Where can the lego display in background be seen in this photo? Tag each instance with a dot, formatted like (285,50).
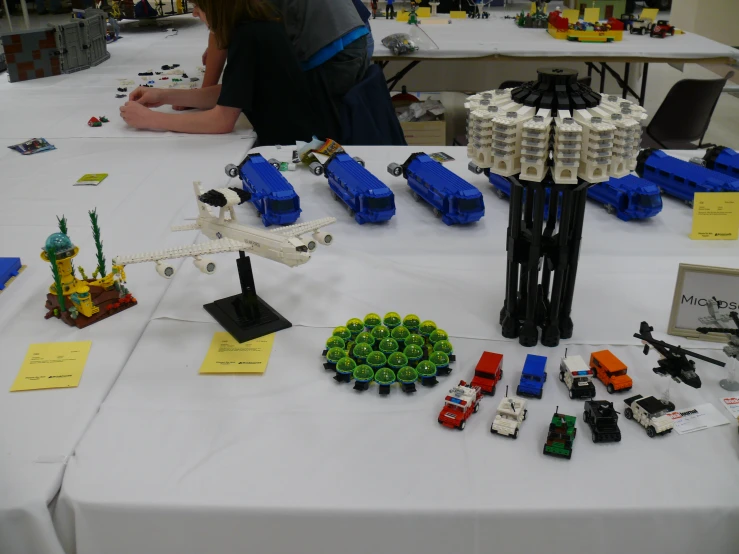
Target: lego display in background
(66,48)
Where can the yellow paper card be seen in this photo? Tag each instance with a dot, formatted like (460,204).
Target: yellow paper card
(591,15)
(225,355)
(424,12)
(715,216)
(571,15)
(649,13)
(54,365)
(458,15)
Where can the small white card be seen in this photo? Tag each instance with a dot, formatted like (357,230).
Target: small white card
(731,403)
(697,418)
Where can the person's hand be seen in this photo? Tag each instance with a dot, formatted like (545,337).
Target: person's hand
(136,115)
(205,57)
(149,97)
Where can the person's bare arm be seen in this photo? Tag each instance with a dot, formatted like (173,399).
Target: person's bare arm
(201,98)
(216,60)
(218,120)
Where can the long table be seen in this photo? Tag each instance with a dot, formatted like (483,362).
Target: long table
(148,172)
(500,40)
(291,461)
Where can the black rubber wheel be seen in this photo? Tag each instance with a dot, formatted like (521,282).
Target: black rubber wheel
(476,408)
(515,434)
(595,437)
(561,376)
(651,433)
(463,425)
(628,413)
(572,395)
(492,391)
(610,389)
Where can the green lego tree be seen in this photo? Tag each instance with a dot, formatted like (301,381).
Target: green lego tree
(57,279)
(98,243)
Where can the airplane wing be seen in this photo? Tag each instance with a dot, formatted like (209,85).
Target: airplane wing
(192,251)
(302,228)
(187,227)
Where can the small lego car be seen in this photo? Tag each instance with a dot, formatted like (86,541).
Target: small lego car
(509,416)
(650,412)
(610,371)
(576,376)
(461,402)
(661,29)
(533,376)
(561,436)
(640,26)
(603,420)
(488,372)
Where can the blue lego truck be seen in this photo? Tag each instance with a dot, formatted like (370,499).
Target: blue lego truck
(679,178)
(450,196)
(272,195)
(9,268)
(628,197)
(533,376)
(722,159)
(367,198)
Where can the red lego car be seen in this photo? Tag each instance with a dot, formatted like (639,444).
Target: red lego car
(488,372)
(461,402)
(661,29)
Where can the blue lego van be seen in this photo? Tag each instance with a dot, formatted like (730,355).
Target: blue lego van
(533,376)
(450,196)
(367,198)
(271,194)
(629,197)
(679,178)
(722,159)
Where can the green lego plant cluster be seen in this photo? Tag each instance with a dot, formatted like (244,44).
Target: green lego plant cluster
(388,350)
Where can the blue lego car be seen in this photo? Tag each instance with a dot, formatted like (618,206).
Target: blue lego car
(533,376)
(367,198)
(629,197)
(450,196)
(679,178)
(271,194)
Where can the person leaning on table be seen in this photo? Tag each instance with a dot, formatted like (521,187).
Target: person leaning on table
(262,79)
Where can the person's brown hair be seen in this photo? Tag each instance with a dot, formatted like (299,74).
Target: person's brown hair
(223,15)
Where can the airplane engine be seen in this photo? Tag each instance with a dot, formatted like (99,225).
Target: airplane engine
(311,244)
(205,265)
(323,238)
(165,270)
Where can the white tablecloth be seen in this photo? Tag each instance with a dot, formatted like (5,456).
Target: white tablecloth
(291,461)
(147,188)
(496,36)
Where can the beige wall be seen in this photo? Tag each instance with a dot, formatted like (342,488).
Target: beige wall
(715,19)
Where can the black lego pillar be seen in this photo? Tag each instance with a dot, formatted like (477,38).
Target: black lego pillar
(246,316)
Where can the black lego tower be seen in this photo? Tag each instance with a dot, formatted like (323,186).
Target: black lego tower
(543,253)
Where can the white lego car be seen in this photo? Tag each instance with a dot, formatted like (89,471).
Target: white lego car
(511,413)
(650,413)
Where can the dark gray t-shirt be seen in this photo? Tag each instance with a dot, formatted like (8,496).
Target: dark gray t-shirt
(313,24)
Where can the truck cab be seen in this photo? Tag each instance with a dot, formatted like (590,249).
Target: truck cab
(577,377)
(271,194)
(461,402)
(488,372)
(628,197)
(610,371)
(510,414)
(533,376)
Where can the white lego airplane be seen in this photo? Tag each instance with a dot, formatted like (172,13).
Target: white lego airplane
(287,245)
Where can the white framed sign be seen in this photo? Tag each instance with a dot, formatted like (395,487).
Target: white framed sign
(696,286)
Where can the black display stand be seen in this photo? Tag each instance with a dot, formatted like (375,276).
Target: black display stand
(246,316)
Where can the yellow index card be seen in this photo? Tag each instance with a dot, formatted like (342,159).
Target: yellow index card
(226,355)
(571,15)
(715,216)
(649,13)
(591,15)
(54,365)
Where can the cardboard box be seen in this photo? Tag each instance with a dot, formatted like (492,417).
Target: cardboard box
(424,133)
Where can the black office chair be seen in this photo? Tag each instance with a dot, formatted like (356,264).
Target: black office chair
(684,114)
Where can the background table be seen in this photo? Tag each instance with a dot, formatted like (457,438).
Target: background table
(150,174)
(500,40)
(291,461)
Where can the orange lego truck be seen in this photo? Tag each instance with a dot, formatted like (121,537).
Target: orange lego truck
(610,370)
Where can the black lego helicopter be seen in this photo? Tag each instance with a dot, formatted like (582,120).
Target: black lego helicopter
(674,361)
